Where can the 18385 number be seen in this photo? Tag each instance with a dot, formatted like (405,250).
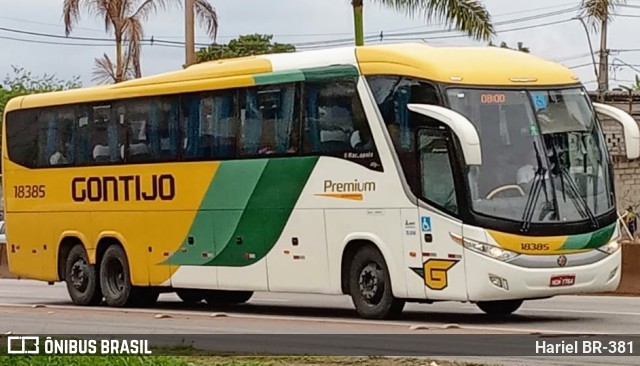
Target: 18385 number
(29,191)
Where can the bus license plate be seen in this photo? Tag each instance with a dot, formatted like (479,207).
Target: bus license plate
(562,280)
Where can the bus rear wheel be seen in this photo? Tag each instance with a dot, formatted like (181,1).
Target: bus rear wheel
(115,281)
(83,284)
(219,297)
(370,286)
(499,308)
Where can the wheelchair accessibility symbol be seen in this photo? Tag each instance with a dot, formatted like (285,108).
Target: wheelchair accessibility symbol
(426,223)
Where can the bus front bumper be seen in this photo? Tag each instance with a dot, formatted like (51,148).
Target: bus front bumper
(496,280)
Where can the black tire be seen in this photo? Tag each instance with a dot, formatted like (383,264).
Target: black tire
(499,308)
(146,297)
(190,297)
(83,281)
(115,280)
(370,286)
(218,297)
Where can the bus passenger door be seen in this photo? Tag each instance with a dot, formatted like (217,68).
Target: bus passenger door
(442,270)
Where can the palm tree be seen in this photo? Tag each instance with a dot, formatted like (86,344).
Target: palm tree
(105,71)
(469,16)
(635,86)
(125,19)
(598,14)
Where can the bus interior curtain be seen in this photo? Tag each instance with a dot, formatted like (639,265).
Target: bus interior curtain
(52,136)
(112,136)
(222,126)
(216,122)
(71,151)
(83,143)
(154,125)
(252,128)
(174,127)
(312,130)
(403,97)
(284,119)
(193,127)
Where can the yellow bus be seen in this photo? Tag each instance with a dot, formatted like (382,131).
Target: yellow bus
(390,173)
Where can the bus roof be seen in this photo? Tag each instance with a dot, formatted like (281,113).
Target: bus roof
(489,66)
(464,65)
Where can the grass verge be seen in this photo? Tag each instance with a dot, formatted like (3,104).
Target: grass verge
(23,360)
(187,355)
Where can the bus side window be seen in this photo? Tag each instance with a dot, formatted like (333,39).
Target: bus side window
(107,135)
(60,138)
(152,128)
(22,128)
(335,123)
(270,121)
(392,94)
(209,123)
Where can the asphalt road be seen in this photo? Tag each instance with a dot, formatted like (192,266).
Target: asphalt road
(35,307)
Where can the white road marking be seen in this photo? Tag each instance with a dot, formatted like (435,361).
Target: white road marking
(269,300)
(407,324)
(560,310)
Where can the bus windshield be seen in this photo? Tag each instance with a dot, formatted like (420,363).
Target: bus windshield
(543,156)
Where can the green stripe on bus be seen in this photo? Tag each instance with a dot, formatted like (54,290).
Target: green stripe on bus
(220,211)
(244,211)
(591,240)
(279,77)
(330,72)
(267,212)
(308,74)
(233,185)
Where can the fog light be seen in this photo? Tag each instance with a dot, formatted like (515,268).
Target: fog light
(499,282)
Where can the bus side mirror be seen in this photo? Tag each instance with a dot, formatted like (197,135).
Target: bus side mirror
(629,126)
(459,124)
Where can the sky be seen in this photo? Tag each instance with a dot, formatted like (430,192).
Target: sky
(545,26)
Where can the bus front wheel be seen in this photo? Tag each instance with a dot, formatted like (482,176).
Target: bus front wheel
(370,286)
(82,279)
(499,308)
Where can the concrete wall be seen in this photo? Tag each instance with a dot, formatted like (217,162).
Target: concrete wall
(626,173)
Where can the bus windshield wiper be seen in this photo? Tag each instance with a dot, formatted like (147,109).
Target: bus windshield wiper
(539,183)
(574,193)
(577,199)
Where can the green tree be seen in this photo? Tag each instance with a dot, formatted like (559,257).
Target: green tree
(504,44)
(22,82)
(124,19)
(599,12)
(246,45)
(469,16)
(633,87)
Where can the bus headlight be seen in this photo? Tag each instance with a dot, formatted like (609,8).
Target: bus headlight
(610,247)
(489,250)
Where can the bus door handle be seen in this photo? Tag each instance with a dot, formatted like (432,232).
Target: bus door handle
(428,238)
